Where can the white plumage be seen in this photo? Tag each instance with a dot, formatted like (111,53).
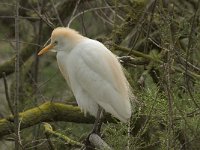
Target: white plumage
(93,73)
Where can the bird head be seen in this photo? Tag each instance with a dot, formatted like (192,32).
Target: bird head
(62,39)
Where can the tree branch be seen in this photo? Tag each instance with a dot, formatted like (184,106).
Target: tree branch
(154,59)
(98,142)
(49,130)
(9,66)
(46,112)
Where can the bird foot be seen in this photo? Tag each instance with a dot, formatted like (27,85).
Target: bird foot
(96,129)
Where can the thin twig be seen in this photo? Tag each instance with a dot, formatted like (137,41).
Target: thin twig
(19,137)
(33,142)
(168,80)
(7,94)
(73,13)
(49,130)
(37,145)
(180,58)
(188,53)
(36,63)
(113,11)
(149,26)
(50,144)
(26,17)
(44,18)
(41,5)
(29,43)
(89,10)
(17,75)
(57,14)
(103,18)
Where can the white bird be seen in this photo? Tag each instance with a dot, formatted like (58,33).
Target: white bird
(93,73)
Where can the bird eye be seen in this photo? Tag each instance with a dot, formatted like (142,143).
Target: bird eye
(56,42)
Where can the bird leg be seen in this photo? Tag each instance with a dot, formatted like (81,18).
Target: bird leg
(96,128)
(98,122)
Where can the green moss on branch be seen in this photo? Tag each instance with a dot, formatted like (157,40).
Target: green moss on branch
(155,59)
(48,129)
(46,112)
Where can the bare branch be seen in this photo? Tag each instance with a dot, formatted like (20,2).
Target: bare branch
(57,14)
(98,142)
(17,82)
(73,13)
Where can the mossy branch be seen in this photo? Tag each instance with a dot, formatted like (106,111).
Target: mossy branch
(134,52)
(46,112)
(93,138)
(49,130)
(154,59)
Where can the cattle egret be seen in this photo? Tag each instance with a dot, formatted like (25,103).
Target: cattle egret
(93,73)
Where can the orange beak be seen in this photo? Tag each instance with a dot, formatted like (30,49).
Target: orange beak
(47,48)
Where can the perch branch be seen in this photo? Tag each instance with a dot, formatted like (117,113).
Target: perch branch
(46,112)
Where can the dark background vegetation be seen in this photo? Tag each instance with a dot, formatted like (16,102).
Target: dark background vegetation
(162,40)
